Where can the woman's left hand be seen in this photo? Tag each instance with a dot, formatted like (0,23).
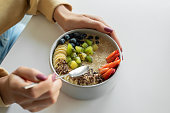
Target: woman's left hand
(69,21)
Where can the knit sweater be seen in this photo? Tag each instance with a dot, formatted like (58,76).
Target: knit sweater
(12,11)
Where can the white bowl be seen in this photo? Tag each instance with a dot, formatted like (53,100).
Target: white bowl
(92,91)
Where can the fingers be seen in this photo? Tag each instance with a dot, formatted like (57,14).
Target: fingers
(41,104)
(36,109)
(106,29)
(29,74)
(113,35)
(47,89)
(40,88)
(21,99)
(56,86)
(94,24)
(96,18)
(40,96)
(16,84)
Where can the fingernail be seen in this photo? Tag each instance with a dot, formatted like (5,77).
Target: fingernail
(108,29)
(54,77)
(41,77)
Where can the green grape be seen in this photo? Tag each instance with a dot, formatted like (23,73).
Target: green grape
(69,49)
(68,59)
(78,49)
(84,45)
(78,60)
(73,64)
(95,47)
(82,50)
(89,42)
(89,50)
(89,59)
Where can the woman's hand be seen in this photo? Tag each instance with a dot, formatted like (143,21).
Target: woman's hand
(69,21)
(34,99)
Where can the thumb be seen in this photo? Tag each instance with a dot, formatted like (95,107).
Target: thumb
(30,74)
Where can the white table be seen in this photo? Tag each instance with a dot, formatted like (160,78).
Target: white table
(143,27)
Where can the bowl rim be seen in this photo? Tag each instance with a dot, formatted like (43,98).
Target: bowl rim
(81,30)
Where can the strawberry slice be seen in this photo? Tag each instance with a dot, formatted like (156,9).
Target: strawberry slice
(105,66)
(112,58)
(108,73)
(112,54)
(117,58)
(114,70)
(114,64)
(103,70)
(111,65)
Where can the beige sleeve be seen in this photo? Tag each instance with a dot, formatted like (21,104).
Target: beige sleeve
(46,7)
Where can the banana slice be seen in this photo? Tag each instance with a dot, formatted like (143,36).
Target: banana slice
(58,55)
(60,51)
(55,61)
(62,46)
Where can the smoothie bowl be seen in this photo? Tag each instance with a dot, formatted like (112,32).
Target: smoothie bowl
(86,47)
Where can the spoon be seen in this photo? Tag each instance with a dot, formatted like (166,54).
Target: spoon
(74,73)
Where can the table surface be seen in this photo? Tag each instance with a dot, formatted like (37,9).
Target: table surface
(143,28)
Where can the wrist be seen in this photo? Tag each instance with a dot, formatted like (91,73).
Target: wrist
(61,15)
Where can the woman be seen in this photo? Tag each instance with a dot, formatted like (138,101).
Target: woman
(47,91)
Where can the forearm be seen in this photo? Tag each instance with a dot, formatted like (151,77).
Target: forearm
(46,7)
(61,15)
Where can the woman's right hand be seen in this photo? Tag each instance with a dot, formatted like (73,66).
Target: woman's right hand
(69,21)
(34,99)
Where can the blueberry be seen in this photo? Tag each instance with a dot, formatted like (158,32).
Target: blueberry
(97,42)
(81,42)
(84,35)
(80,37)
(62,41)
(66,37)
(90,37)
(96,37)
(73,40)
(76,34)
(71,35)
(78,40)
(77,44)
(73,44)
